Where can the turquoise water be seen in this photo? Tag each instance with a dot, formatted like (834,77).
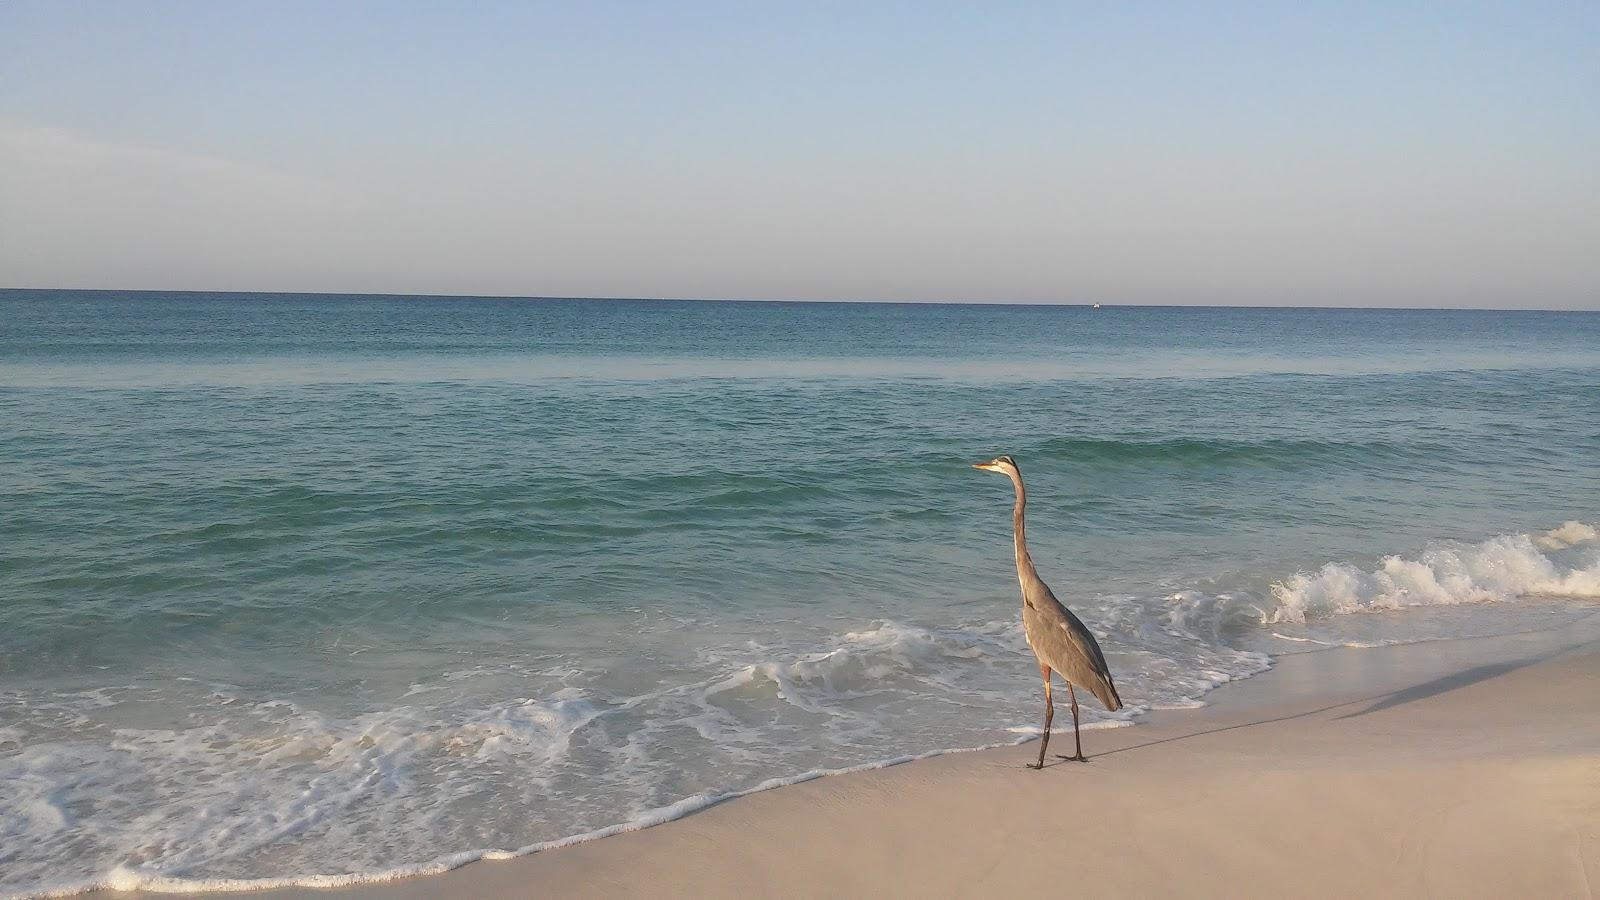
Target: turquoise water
(298,586)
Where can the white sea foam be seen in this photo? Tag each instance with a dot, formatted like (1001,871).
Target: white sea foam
(1569,534)
(186,808)
(1499,569)
(1036,730)
(872,660)
(1357,645)
(126,878)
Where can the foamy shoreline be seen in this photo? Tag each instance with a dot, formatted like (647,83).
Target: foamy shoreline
(1319,777)
(1506,567)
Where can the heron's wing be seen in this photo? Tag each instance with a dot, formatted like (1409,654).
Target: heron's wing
(1066,645)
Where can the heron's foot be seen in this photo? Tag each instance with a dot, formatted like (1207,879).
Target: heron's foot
(1034,766)
(1079,758)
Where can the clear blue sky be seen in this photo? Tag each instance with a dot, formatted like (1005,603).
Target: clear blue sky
(1442,154)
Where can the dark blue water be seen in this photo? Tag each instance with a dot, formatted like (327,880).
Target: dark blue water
(298,585)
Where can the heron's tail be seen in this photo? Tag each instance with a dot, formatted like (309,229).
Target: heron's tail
(1106,691)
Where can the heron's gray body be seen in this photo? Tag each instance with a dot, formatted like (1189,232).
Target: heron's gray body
(1061,642)
(1058,638)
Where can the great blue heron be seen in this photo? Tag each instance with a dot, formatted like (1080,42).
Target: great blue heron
(1058,639)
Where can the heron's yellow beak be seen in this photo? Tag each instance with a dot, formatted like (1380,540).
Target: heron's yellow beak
(985,466)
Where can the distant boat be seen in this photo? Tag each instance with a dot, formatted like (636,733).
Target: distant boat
(1096,306)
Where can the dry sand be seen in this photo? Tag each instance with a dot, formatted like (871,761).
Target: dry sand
(1455,769)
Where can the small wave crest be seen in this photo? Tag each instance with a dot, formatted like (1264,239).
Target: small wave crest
(1267,452)
(871,660)
(1569,534)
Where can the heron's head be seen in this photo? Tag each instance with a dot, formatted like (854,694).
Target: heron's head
(1005,465)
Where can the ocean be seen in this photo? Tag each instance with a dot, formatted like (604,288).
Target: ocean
(315,589)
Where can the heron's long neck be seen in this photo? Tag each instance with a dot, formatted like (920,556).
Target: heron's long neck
(1025,570)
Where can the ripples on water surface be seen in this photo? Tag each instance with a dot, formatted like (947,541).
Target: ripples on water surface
(298,586)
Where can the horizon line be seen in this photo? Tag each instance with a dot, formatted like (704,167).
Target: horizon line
(1086,304)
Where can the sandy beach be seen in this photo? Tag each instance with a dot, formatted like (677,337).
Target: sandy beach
(1466,768)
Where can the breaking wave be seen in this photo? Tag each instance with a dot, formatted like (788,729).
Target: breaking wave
(1555,563)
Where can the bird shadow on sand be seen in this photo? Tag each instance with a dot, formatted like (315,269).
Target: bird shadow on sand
(1443,685)
(1375,703)
(1218,730)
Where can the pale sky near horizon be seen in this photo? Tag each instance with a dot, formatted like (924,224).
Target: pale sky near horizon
(1410,154)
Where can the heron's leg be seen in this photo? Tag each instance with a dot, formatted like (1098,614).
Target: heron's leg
(1049,713)
(1078,756)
